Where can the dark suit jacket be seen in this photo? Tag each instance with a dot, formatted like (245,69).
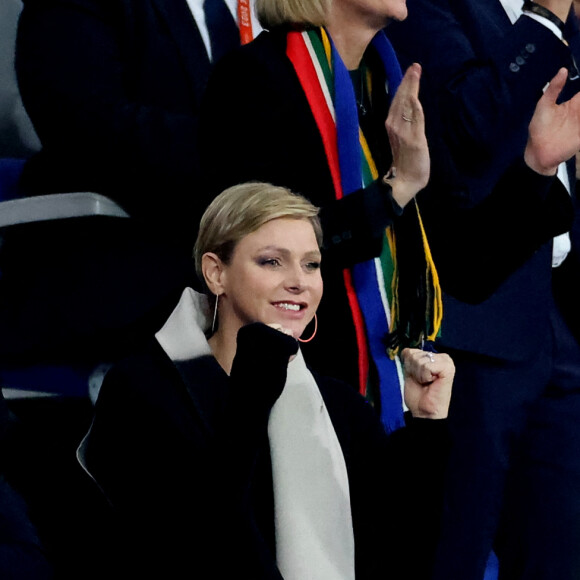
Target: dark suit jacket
(564,278)
(181,451)
(113,89)
(490,220)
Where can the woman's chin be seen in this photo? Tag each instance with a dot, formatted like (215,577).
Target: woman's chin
(291,325)
(295,332)
(285,327)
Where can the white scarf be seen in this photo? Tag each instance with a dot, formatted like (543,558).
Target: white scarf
(313,522)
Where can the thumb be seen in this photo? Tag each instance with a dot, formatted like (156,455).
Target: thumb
(411,80)
(556,85)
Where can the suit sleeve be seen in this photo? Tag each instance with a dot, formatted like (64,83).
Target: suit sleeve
(476,247)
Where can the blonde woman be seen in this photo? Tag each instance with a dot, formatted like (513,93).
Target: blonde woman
(225,456)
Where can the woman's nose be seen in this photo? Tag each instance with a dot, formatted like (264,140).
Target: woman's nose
(296,280)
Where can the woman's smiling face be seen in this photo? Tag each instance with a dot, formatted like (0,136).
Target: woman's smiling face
(273,277)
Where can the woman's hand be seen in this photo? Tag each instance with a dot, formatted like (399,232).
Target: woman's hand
(554,131)
(283,330)
(280,328)
(260,365)
(406,129)
(428,381)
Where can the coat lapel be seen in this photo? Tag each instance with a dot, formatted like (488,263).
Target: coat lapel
(182,337)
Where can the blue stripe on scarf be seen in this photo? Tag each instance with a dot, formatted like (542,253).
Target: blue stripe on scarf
(393,70)
(367,290)
(347,127)
(365,273)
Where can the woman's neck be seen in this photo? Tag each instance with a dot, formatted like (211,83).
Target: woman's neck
(223,346)
(350,35)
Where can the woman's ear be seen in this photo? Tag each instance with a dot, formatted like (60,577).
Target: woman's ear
(212,269)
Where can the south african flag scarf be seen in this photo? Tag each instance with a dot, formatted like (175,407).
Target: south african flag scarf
(372,285)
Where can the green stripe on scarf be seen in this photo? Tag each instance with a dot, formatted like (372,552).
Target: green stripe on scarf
(318,46)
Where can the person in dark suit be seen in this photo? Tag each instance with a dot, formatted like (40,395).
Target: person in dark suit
(514,472)
(226,457)
(113,91)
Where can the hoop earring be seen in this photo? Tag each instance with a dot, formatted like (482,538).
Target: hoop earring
(314,333)
(217,296)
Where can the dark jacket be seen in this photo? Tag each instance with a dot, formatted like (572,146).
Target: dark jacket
(181,450)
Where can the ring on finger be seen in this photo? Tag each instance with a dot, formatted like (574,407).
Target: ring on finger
(430,356)
(406,118)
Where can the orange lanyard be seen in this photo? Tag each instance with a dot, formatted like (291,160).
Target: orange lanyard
(245,21)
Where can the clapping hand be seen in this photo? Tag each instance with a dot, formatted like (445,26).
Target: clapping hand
(406,129)
(554,131)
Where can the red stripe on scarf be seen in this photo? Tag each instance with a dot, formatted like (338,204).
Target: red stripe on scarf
(299,55)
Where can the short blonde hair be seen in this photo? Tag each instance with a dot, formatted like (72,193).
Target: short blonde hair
(303,13)
(243,209)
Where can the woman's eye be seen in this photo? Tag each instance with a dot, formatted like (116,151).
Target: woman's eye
(313,265)
(270,262)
